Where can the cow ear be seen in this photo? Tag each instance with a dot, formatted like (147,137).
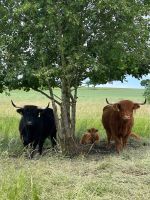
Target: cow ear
(20,110)
(96,130)
(116,107)
(136,106)
(89,130)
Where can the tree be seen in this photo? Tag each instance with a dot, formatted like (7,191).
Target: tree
(146,84)
(91,82)
(60,43)
(87,83)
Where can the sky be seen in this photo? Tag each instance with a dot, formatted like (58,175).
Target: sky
(130,83)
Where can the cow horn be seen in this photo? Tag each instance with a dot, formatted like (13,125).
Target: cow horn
(47,106)
(14,104)
(108,102)
(143,102)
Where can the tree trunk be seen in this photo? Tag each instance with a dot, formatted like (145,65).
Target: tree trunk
(73,112)
(68,146)
(57,120)
(65,122)
(68,105)
(68,108)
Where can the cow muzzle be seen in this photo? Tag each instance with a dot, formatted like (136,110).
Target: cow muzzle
(126,117)
(29,123)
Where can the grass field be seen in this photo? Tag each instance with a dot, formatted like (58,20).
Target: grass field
(93,176)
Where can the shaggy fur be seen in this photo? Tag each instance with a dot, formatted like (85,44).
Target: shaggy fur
(118,121)
(90,137)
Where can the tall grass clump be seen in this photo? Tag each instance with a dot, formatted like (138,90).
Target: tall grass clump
(18,186)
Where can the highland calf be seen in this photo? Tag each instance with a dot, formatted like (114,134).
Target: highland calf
(91,137)
(118,121)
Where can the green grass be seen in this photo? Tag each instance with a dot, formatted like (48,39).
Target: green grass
(94,176)
(52,177)
(18,184)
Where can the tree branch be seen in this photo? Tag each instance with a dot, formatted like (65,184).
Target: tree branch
(57,97)
(57,120)
(45,94)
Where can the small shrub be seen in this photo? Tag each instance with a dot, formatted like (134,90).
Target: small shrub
(146,84)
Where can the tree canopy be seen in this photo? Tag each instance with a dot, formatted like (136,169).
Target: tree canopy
(145,82)
(102,40)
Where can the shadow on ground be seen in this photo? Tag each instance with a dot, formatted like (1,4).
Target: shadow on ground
(101,148)
(14,148)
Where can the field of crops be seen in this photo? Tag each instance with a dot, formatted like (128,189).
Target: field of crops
(92,177)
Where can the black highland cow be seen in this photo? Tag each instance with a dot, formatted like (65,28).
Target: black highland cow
(36,125)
